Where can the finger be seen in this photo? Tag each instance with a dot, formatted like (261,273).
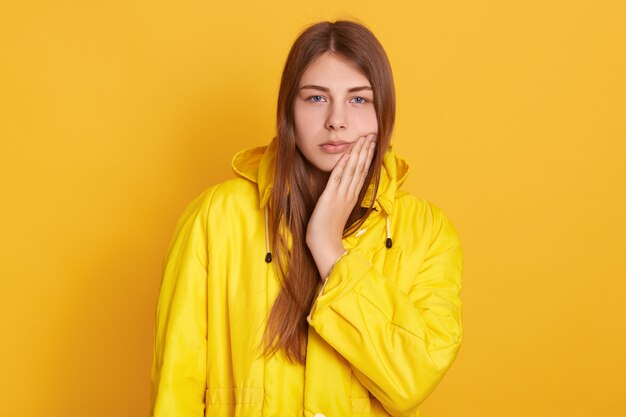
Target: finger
(350,169)
(337,173)
(361,168)
(370,158)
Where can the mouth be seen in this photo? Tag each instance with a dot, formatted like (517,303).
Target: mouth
(334,147)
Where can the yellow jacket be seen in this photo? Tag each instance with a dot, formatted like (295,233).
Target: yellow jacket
(384,329)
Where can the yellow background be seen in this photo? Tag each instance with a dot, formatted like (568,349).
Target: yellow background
(114,115)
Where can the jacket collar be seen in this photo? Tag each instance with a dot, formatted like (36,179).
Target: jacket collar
(257,165)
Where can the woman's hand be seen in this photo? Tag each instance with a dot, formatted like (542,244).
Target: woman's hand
(325,229)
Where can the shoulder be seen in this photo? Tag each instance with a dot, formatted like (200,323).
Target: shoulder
(423,217)
(217,207)
(417,208)
(223,198)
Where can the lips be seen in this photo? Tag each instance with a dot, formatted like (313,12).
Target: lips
(334,142)
(334,147)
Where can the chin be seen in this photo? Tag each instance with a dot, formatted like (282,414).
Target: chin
(326,164)
(321,161)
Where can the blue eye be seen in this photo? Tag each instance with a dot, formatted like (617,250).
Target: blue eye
(359,100)
(315,99)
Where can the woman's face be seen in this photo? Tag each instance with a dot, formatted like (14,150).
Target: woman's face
(333,107)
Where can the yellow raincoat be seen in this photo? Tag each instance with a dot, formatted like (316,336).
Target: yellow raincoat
(384,329)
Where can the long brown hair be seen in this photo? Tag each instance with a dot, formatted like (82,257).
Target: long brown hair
(287,325)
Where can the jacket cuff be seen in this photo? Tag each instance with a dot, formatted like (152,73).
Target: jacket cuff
(347,271)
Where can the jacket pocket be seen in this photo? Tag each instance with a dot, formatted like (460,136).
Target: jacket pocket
(359,398)
(231,402)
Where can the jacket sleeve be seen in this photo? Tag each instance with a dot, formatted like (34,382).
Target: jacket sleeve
(399,343)
(178,378)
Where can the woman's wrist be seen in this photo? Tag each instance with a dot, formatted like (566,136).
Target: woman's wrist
(326,258)
(333,265)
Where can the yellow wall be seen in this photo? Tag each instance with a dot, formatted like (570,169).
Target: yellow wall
(113,116)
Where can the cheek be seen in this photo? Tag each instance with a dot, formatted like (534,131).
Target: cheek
(367,121)
(307,123)
(373,123)
(301,121)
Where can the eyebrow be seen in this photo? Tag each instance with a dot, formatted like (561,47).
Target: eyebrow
(326,89)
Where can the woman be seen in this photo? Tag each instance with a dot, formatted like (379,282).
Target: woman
(296,290)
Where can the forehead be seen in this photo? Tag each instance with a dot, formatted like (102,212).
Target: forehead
(333,70)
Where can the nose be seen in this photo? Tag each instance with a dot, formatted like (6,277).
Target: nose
(336,119)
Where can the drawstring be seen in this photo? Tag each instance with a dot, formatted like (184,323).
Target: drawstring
(388,242)
(268,255)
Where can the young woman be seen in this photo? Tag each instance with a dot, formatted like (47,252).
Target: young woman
(310,284)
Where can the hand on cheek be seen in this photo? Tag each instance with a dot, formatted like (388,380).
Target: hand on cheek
(325,228)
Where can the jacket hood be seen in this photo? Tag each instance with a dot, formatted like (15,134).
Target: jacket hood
(257,165)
